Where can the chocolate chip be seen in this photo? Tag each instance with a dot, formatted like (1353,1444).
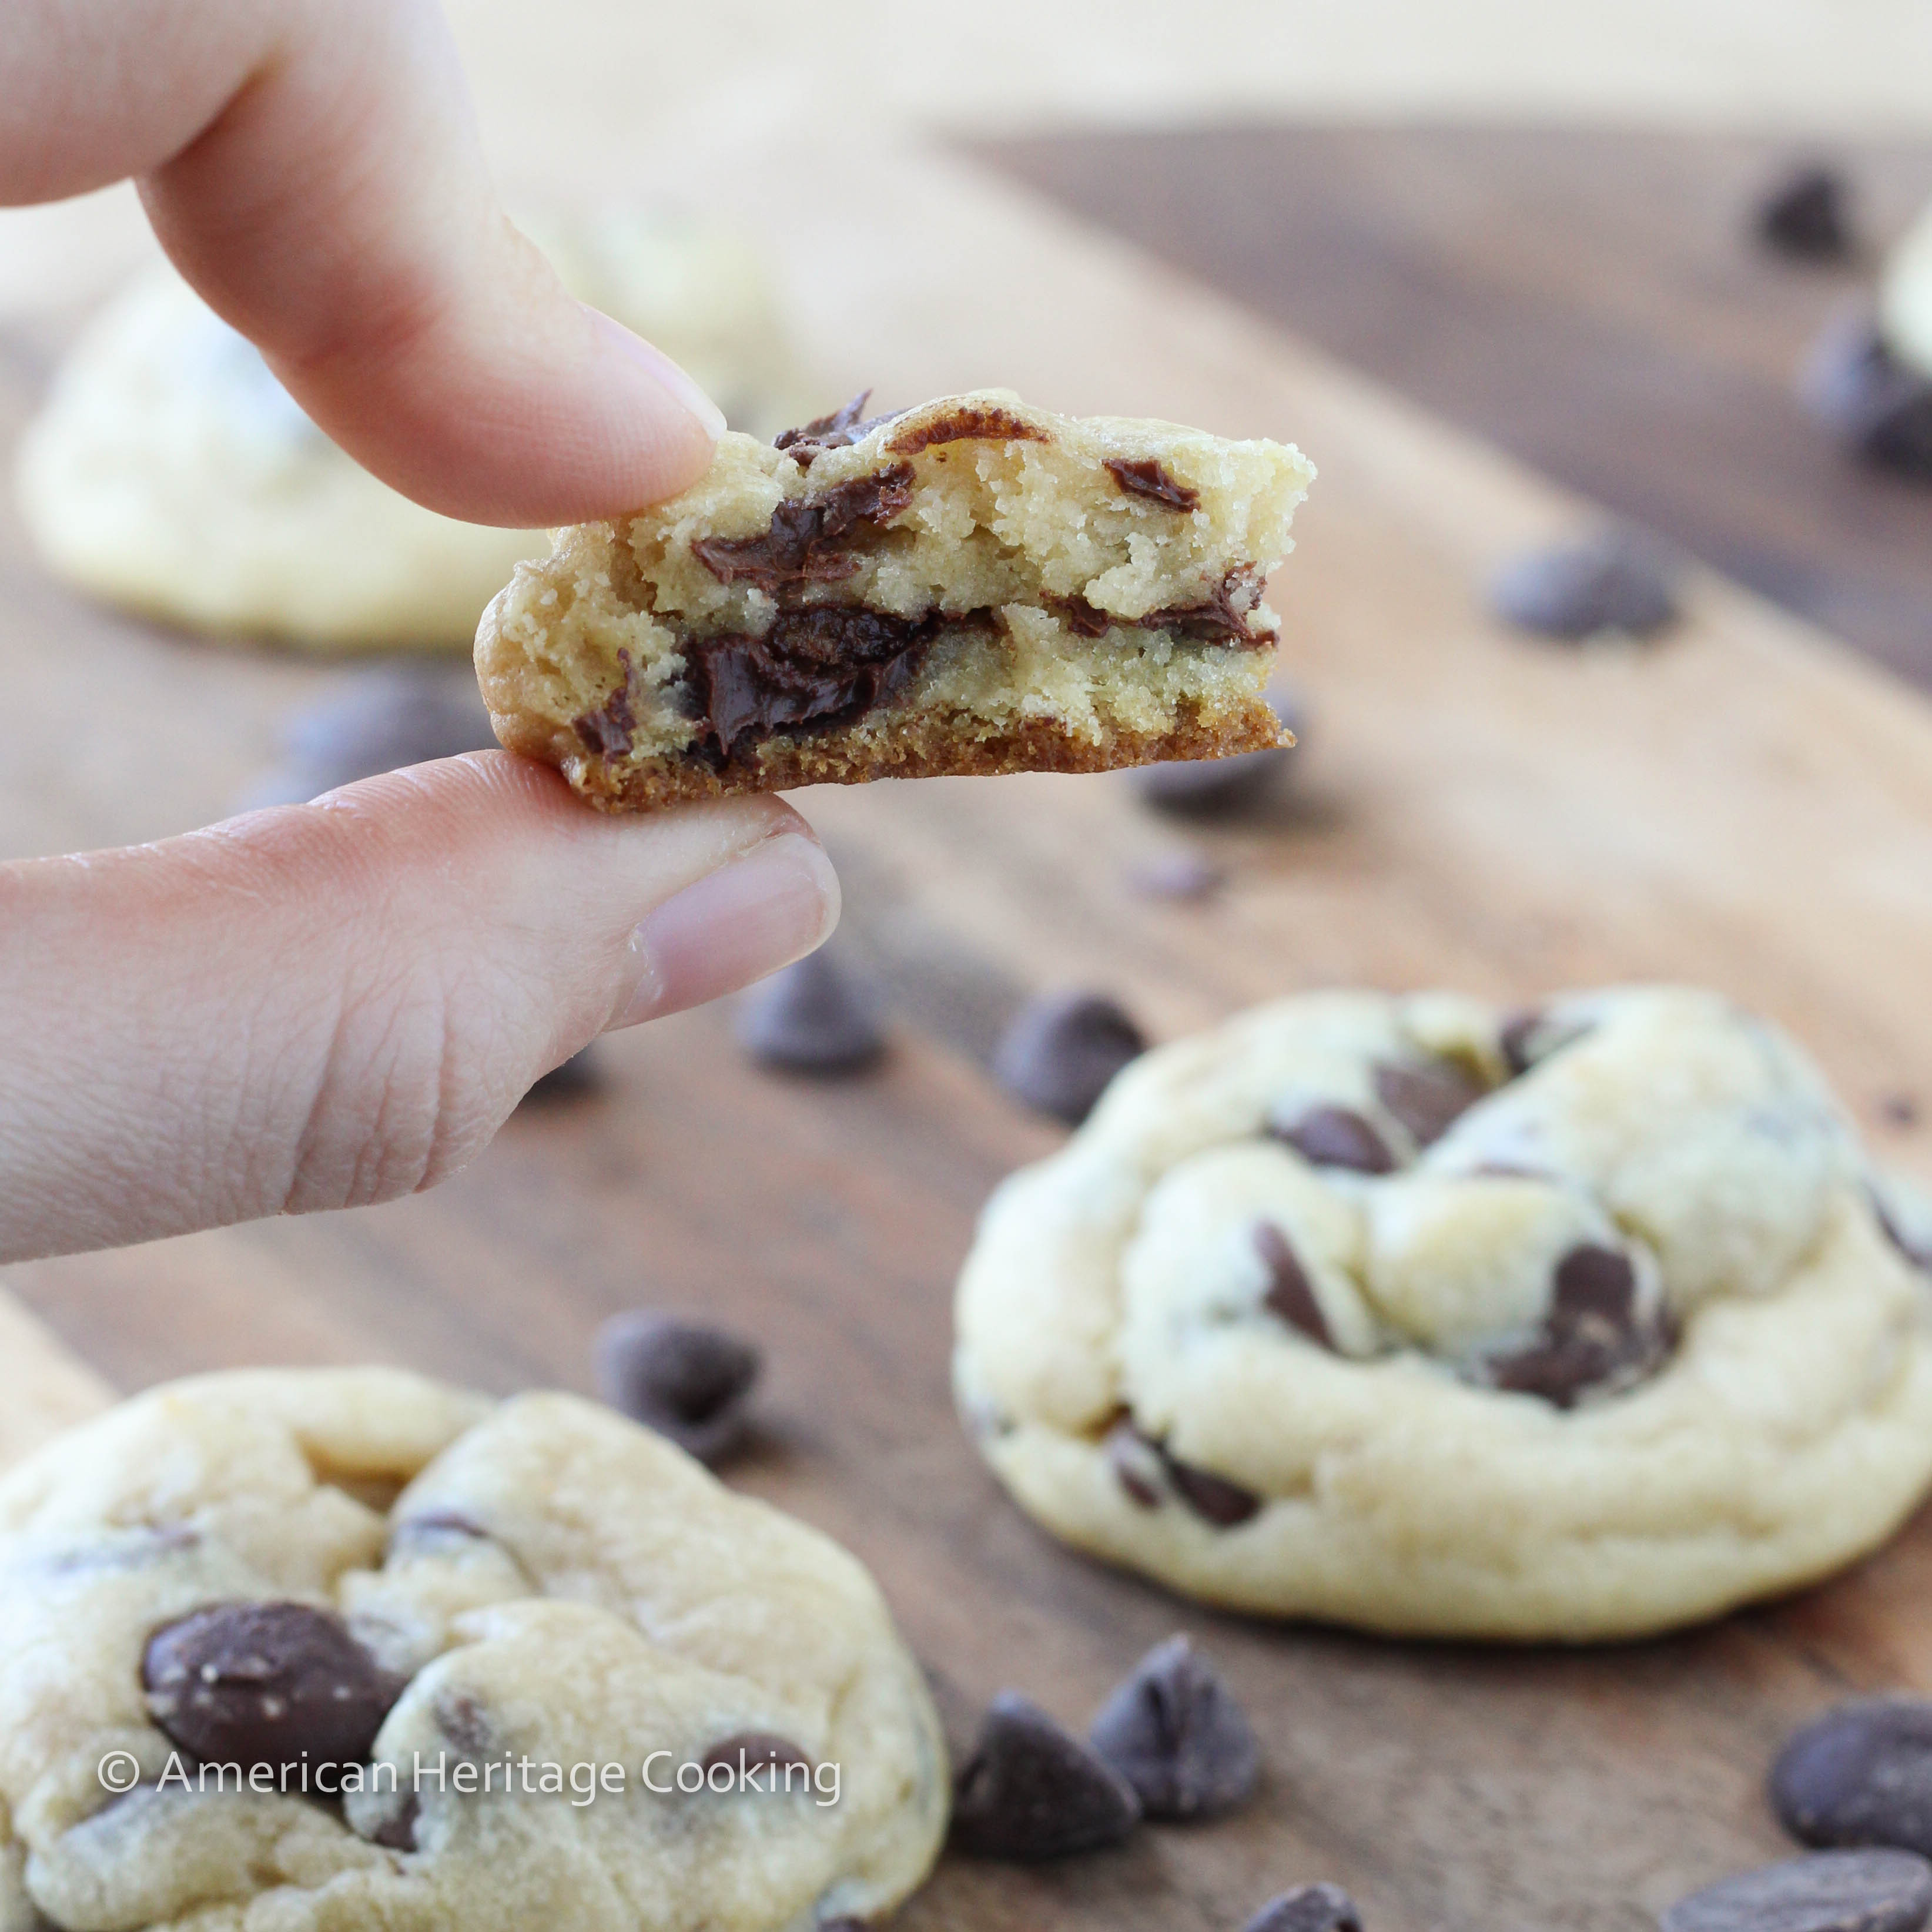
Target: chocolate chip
(1823,1892)
(1596,1283)
(1226,1505)
(1174,1731)
(1613,581)
(1878,407)
(582,1073)
(1336,1137)
(1147,477)
(799,545)
(1029,1791)
(1860,1775)
(813,1017)
(1136,1463)
(1805,215)
(1186,877)
(1221,616)
(395,1831)
(270,1684)
(1593,1337)
(1308,1908)
(608,730)
(684,1379)
(430,1528)
(754,1750)
(1427,1097)
(843,427)
(969,422)
(1290,1293)
(1060,1052)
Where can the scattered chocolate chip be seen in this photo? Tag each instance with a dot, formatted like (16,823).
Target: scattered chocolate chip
(582,1073)
(1060,1052)
(1030,1791)
(1226,1505)
(608,730)
(1336,1137)
(800,543)
(270,1684)
(1290,1293)
(1823,1892)
(1594,1337)
(1613,581)
(813,1017)
(1136,1463)
(840,430)
(685,1380)
(755,1750)
(1148,477)
(1308,1908)
(1427,1096)
(1806,215)
(1186,877)
(1878,407)
(1860,1775)
(1174,1731)
(825,664)
(971,422)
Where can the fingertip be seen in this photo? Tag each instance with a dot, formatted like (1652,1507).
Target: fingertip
(626,347)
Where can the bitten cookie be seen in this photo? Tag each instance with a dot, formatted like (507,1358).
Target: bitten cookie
(420,1593)
(1420,1316)
(171,473)
(972,585)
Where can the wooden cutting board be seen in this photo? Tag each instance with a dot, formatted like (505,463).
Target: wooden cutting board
(1743,804)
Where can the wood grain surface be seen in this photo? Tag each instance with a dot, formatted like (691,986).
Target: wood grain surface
(1743,803)
(1593,302)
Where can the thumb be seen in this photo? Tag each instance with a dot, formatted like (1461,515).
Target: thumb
(327,1005)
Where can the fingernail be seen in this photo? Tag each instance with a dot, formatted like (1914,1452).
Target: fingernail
(759,912)
(663,371)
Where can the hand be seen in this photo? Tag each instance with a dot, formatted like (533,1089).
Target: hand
(322,1006)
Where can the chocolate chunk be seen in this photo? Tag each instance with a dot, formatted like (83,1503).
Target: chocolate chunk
(582,1073)
(1860,1775)
(1823,1892)
(608,730)
(825,664)
(1029,1791)
(1290,1293)
(1174,1733)
(1135,1461)
(687,1381)
(754,1750)
(1060,1052)
(1220,616)
(840,430)
(1613,581)
(1184,877)
(1878,407)
(1146,477)
(1213,1498)
(1594,1335)
(270,1683)
(811,1017)
(975,422)
(799,544)
(1308,1908)
(1428,1096)
(1336,1137)
(1805,215)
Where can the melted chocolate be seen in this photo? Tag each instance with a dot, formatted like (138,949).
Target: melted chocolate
(1148,477)
(608,730)
(1223,615)
(828,663)
(799,546)
(976,423)
(839,431)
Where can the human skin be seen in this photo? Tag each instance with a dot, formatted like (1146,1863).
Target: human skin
(326,1005)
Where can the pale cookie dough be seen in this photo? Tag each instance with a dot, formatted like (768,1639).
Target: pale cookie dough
(1905,299)
(973,586)
(538,1580)
(1427,1317)
(169,471)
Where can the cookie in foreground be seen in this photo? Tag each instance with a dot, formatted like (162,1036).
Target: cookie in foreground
(1430,1317)
(970,587)
(346,1576)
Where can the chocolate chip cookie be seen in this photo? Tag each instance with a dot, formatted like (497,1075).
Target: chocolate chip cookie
(972,585)
(1418,1314)
(334,1650)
